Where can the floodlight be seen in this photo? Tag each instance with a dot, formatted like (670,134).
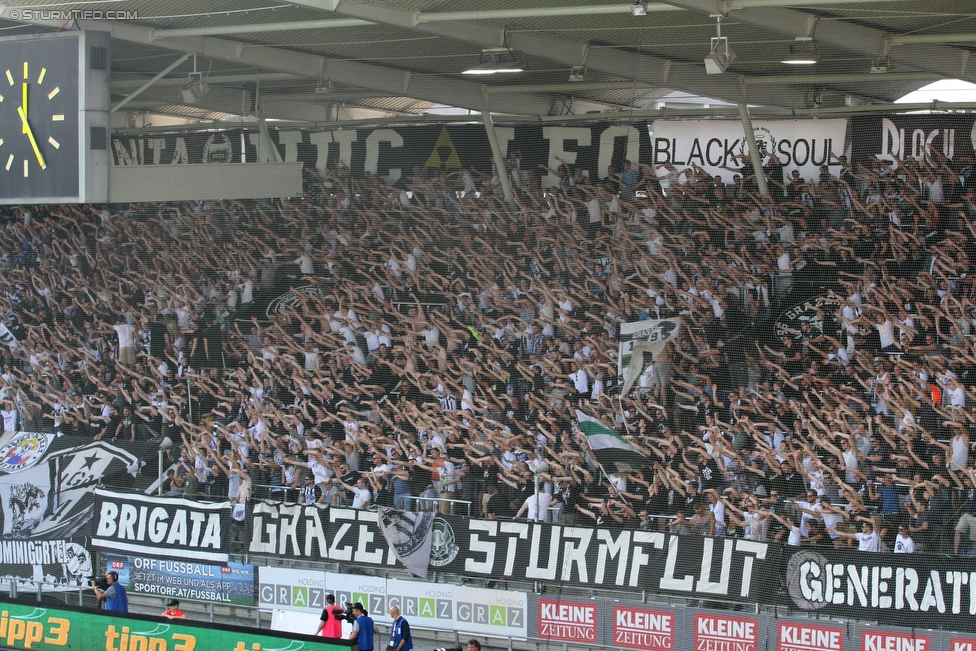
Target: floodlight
(494,61)
(578,73)
(803,52)
(196,88)
(720,57)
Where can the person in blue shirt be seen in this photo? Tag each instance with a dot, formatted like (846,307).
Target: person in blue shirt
(400,639)
(114,595)
(362,629)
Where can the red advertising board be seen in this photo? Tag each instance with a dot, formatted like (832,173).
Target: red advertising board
(800,636)
(567,621)
(639,628)
(724,633)
(962,644)
(874,640)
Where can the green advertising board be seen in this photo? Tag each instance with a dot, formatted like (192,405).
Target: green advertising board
(24,626)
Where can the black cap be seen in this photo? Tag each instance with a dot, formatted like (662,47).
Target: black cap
(359,606)
(172,602)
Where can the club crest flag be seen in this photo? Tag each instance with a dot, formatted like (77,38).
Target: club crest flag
(409,535)
(642,342)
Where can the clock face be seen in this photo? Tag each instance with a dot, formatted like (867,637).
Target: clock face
(39,118)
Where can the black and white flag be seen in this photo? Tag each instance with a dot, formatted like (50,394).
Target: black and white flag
(409,535)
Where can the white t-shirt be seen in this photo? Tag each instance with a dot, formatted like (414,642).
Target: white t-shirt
(749,520)
(886,333)
(904,544)
(867,542)
(718,510)
(361,497)
(545,499)
(9,419)
(127,335)
(783,262)
(831,520)
(957,397)
(794,539)
(305,263)
(812,506)
(850,460)
(580,381)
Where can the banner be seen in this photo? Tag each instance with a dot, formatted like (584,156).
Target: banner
(282,588)
(568,621)
(904,589)
(231,584)
(175,528)
(442,606)
(46,506)
(713,631)
(640,343)
(7,338)
(693,566)
(395,152)
(806,636)
(715,145)
(640,628)
(29,626)
(58,565)
(409,536)
(912,136)
(183,149)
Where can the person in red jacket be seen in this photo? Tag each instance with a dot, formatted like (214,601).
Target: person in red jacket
(330,623)
(173,609)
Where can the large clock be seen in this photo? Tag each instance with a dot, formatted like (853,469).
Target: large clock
(53,118)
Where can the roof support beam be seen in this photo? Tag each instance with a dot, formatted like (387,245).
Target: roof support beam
(743,4)
(138,91)
(537,12)
(914,39)
(867,77)
(121,84)
(217,30)
(939,59)
(398,83)
(664,73)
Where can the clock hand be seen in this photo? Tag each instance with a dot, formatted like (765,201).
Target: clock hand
(30,136)
(23,105)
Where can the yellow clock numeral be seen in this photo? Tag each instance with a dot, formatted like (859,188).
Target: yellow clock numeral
(25,167)
(54,92)
(25,70)
(40,78)
(1,142)
(10,78)
(10,161)
(54,143)
(57,117)
(1,98)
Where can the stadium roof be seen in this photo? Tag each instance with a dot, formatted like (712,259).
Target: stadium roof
(328,61)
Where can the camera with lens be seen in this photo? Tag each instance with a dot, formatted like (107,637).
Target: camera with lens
(345,614)
(99,582)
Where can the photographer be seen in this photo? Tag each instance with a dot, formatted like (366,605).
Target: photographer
(113,594)
(330,623)
(362,629)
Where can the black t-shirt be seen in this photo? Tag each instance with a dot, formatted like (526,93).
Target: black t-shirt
(499,507)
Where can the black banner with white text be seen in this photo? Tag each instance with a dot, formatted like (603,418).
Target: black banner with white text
(904,589)
(720,568)
(174,528)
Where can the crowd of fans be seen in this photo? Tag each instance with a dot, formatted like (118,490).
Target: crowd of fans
(436,343)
